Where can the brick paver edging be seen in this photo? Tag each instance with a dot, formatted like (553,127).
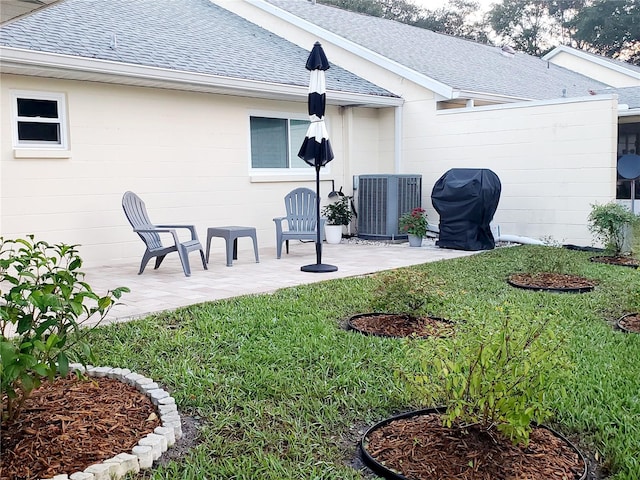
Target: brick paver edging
(149,448)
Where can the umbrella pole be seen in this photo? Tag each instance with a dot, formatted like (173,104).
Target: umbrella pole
(318,267)
(318,232)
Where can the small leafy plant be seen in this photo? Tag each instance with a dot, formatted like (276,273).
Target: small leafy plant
(549,259)
(414,222)
(494,378)
(45,302)
(405,291)
(339,212)
(610,224)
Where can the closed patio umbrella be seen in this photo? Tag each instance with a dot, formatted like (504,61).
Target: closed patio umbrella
(316,148)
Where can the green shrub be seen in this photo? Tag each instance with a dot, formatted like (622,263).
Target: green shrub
(493,377)
(44,304)
(405,291)
(611,223)
(635,237)
(549,259)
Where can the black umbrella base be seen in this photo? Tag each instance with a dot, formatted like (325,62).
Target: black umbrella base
(319,268)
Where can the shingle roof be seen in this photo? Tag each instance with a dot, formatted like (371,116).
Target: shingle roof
(186,35)
(626,95)
(199,37)
(459,63)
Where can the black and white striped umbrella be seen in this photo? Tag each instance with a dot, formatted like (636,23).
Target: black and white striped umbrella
(316,148)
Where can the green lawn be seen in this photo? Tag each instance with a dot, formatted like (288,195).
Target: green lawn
(281,388)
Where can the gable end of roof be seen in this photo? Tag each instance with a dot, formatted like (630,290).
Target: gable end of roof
(445,91)
(612,64)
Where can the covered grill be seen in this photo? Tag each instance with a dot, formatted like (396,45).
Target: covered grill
(466,200)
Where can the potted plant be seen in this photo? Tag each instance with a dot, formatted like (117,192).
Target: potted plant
(414,223)
(338,214)
(613,225)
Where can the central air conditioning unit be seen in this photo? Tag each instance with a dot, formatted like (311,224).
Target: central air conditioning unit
(382,199)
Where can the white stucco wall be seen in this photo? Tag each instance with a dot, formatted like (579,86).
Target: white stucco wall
(186,154)
(554,160)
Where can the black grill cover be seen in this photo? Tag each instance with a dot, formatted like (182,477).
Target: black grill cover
(466,200)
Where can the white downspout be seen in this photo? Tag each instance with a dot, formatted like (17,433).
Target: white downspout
(346,114)
(398,140)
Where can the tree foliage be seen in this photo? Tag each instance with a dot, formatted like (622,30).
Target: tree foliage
(401,10)
(521,24)
(562,13)
(610,28)
(607,27)
(456,19)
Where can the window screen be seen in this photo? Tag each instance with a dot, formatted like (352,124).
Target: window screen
(275,142)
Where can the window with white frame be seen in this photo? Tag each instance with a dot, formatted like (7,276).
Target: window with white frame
(275,142)
(39,120)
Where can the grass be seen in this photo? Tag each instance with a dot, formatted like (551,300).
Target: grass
(283,391)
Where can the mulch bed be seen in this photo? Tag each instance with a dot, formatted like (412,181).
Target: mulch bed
(420,448)
(400,325)
(622,260)
(560,282)
(630,323)
(70,424)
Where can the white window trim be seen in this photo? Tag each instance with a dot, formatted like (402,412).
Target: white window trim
(281,174)
(60,99)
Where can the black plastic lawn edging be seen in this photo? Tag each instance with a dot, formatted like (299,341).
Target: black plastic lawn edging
(620,323)
(599,260)
(389,474)
(553,289)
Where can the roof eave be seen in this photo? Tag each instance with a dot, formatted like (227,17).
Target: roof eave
(629,112)
(489,97)
(44,64)
(445,91)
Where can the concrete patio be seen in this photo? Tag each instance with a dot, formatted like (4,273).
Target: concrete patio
(167,288)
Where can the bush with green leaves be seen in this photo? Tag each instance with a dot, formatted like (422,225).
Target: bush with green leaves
(611,224)
(494,377)
(550,259)
(406,291)
(44,304)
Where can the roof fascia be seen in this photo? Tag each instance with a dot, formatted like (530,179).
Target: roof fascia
(34,63)
(490,97)
(439,88)
(622,112)
(630,112)
(592,59)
